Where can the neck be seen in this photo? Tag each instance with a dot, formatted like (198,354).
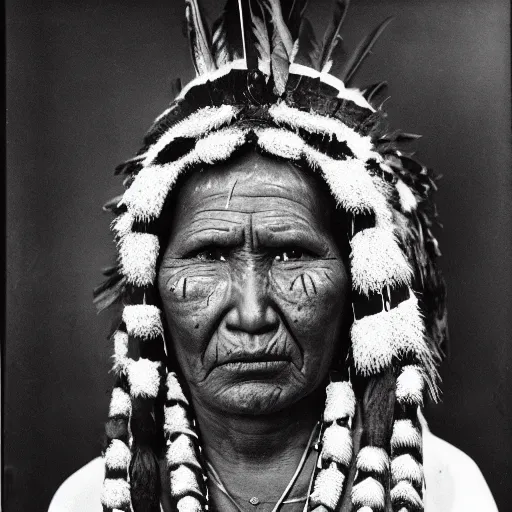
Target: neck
(254,449)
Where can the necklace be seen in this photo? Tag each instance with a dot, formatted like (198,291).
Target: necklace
(215,478)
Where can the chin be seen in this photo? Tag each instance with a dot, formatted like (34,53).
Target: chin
(255,398)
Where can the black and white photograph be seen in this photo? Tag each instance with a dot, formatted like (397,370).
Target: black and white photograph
(258,256)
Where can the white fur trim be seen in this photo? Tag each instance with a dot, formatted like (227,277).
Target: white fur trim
(337,444)
(115,493)
(117,455)
(409,386)
(361,146)
(373,459)
(405,435)
(211,76)
(218,146)
(189,504)
(349,181)
(369,493)
(377,338)
(406,467)
(174,391)
(199,123)
(175,419)
(143,320)
(181,451)
(351,186)
(340,401)
(120,403)
(123,224)
(364,509)
(376,261)
(144,378)
(404,491)
(183,481)
(408,200)
(354,95)
(281,143)
(138,253)
(120,339)
(327,488)
(146,196)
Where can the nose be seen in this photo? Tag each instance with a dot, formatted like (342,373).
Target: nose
(252,311)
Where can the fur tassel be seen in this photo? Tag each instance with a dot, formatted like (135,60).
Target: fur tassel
(183,482)
(143,321)
(376,261)
(369,493)
(117,455)
(115,493)
(138,253)
(373,459)
(144,378)
(337,445)
(328,488)
(340,401)
(120,403)
(189,504)
(405,435)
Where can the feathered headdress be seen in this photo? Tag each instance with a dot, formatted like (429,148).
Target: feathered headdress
(264,81)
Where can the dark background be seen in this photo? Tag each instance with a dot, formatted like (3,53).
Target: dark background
(86,78)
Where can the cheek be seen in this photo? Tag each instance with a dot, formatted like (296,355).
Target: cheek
(312,298)
(192,298)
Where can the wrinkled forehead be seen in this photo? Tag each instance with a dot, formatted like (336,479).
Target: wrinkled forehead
(254,182)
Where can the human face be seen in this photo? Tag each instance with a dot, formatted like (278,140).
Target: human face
(253,285)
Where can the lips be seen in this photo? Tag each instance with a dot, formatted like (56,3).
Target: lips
(260,362)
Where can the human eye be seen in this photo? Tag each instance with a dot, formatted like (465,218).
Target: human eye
(292,254)
(211,253)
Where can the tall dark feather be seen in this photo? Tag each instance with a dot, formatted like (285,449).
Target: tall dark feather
(227,43)
(260,32)
(307,51)
(362,51)
(373,90)
(199,39)
(331,36)
(293,10)
(281,45)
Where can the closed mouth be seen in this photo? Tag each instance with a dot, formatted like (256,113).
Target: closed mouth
(253,363)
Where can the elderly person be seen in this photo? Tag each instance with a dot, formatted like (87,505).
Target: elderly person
(282,316)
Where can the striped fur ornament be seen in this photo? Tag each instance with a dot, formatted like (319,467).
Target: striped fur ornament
(138,253)
(143,321)
(115,494)
(120,403)
(336,451)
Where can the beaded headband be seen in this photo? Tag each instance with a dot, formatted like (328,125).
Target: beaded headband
(264,82)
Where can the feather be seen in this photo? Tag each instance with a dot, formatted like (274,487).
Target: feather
(227,43)
(331,36)
(281,46)
(307,51)
(362,51)
(111,204)
(293,15)
(199,39)
(372,90)
(261,36)
(274,6)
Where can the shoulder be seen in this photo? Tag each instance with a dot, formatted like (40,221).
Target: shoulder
(81,491)
(454,482)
